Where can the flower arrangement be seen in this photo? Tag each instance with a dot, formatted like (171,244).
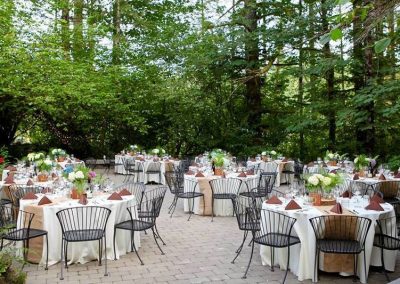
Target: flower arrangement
(44,165)
(362,161)
(3,158)
(32,157)
(58,153)
(273,154)
(331,156)
(79,177)
(326,182)
(158,150)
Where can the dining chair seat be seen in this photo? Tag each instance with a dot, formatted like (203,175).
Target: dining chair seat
(339,246)
(386,242)
(277,240)
(83,235)
(136,225)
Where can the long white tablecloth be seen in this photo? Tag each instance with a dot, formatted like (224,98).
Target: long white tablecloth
(82,252)
(302,255)
(275,166)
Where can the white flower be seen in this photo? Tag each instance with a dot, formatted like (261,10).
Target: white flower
(31,156)
(156,151)
(332,174)
(319,176)
(272,152)
(163,151)
(367,159)
(48,162)
(331,156)
(313,180)
(79,175)
(264,153)
(37,156)
(326,181)
(356,160)
(54,151)
(71,176)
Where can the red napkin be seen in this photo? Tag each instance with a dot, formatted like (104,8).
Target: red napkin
(382,177)
(337,208)
(189,172)
(242,175)
(142,159)
(124,192)
(29,195)
(30,182)
(377,198)
(77,160)
(9,179)
(44,201)
(83,200)
(356,177)
(273,200)
(347,194)
(155,160)
(199,175)
(373,205)
(397,175)
(53,175)
(333,171)
(69,162)
(250,172)
(285,160)
(47,190)
(310,164)
(114,196)
(223,174)
(11,168)
(292,205)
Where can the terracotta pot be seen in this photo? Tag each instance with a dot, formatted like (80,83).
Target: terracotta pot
(332,163)
(43,177)
(75,194)
(218,171)
(316,198)
(61,159)
(361,173)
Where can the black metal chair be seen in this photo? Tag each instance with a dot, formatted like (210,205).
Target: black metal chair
(224,188)
(83,224)
(143,218)
(188,193)
(386,237)
(364,188)
(91,163)
(275,232)
(135,188)
(175,184)
(242,206)
(154,168)
(341,235)
(18,191)
(298,170)
(133,169)
(288,172)
(265,186)
(390,190)
(16,226)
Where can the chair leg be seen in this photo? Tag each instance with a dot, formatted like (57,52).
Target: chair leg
(287,265)
(315,280)
(238,251)
(47,253)
(100,250)
(115,252)
(173,210)
(355,267)
(251,256)
(134,247)
(155,238)
(272,258)
(383,266)
(105,255)
(65,254)
(158,234)
(191,210)
(62,259)
(212,209)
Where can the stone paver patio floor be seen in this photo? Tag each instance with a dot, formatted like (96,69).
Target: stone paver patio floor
(197,251)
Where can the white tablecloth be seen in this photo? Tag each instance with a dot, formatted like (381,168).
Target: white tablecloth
(221,207)
(302,255)
(83,252)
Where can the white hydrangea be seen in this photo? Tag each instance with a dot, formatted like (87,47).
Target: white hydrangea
(313,180)
(331,156)
(332,174)
(79,175)
(37,156)
(163,151)
(264,153)
(71,176)
(31,156)
(356,160)
(368,159)
(48,162)
(156,151)
(319,176)
(273,152)
(326,181)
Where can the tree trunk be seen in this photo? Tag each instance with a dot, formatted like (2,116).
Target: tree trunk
(78,43)
(116,32)
(65,28)
(253,82)
(301,88)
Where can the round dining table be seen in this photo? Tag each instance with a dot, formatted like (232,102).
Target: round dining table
(302,256)
(79,252)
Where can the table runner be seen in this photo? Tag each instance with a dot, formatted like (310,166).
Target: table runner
(205,188)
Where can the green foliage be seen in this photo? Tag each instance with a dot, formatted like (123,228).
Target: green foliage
(394,163)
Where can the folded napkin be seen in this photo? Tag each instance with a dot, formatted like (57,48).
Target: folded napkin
(11,168)
(156,159)
(124,192)
(381,177)
(29,182)
(194,164)
(373,205)
(189,172)
(242,175)
(356,176)
(44,200)
(29,195)
(337,208)
(83,200)
(377,198)
(310,164)
(199,174)
(347,194)
(142,159)
(292,205)
(250,172)
(10,178)
(166,160)
(333,171)
(77,160)
(53,175)
(273,200)
(47,190)
(69,162)
(285,160)
(114,196)
(223,174)
(397,175)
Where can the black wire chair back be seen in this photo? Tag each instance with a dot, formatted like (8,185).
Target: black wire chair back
(243,207)
(85,223)
(154,167)
(364,188)
(135,188)
(174,182)
(91,163)
(224,188)
(387,237)
(155,198)
(8,217)
(18,191)
(298,169)
(340,234)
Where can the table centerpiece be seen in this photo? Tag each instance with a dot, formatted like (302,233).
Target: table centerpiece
(79,178)
(44,167)
(320,187)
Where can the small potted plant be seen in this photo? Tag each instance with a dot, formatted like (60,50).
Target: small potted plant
(331,158)
(219,161)
(44,166)
(79,178)
(59,155)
